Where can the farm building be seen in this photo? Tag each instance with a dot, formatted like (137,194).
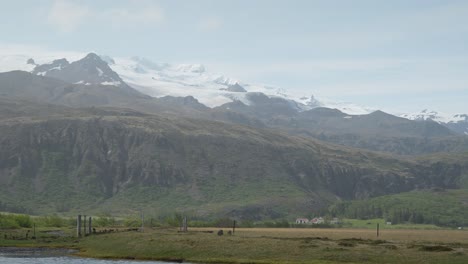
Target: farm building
(302,221)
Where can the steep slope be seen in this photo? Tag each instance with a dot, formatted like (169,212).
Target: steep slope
(108,160)
(90,70)
(19,84)
(377,131)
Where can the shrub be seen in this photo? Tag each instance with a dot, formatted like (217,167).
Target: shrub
(7,222)
(23,220)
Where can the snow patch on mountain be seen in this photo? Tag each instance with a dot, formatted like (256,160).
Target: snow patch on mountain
(100,72)
(114,83)
(438,117)
(162,79)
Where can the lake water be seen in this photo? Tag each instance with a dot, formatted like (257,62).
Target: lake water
(55,256)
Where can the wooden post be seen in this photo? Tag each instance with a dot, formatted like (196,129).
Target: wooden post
(89,226)
(142,220)
(234,227)
(84,225)
(34,231)
(78,226)
(377,229)
(185,224)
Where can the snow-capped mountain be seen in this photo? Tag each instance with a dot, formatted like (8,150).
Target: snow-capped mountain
(88,70)
(141,77)
(181,80)
(161,79)
(456,122)
(437,116)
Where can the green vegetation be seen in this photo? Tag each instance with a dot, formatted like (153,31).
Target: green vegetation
(116,161)
(13,221)
(436,207)
(16,221)
(429,244)
(258,245)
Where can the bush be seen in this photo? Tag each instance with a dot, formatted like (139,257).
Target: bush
(23,220)
(15,221)
(54,221)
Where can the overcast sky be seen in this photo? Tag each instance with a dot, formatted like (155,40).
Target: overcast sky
(394,55)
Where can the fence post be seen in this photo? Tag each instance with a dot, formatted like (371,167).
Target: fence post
(89,226)
(78,226)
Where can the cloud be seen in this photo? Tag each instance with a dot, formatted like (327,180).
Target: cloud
(148,14)
(208,24)
(66,15)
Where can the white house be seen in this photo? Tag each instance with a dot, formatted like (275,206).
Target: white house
(302,221)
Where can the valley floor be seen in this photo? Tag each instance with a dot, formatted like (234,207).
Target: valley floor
(265,245)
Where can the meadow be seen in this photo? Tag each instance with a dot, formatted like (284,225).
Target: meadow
(264,245)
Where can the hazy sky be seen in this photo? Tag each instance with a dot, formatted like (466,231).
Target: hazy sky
(396,55)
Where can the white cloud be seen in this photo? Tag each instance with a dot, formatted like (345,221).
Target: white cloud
(67,15)
(210,24)
(148,14)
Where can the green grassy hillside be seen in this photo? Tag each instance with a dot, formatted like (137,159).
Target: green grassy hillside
(58,159)
(440,207)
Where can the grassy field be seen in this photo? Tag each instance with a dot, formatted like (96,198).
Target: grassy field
(265,245)
(372,223)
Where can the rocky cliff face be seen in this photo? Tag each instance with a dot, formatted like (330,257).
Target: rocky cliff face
(98,159)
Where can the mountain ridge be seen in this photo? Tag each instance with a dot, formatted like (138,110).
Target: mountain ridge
(186,80)
(377,131)
(120,159)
